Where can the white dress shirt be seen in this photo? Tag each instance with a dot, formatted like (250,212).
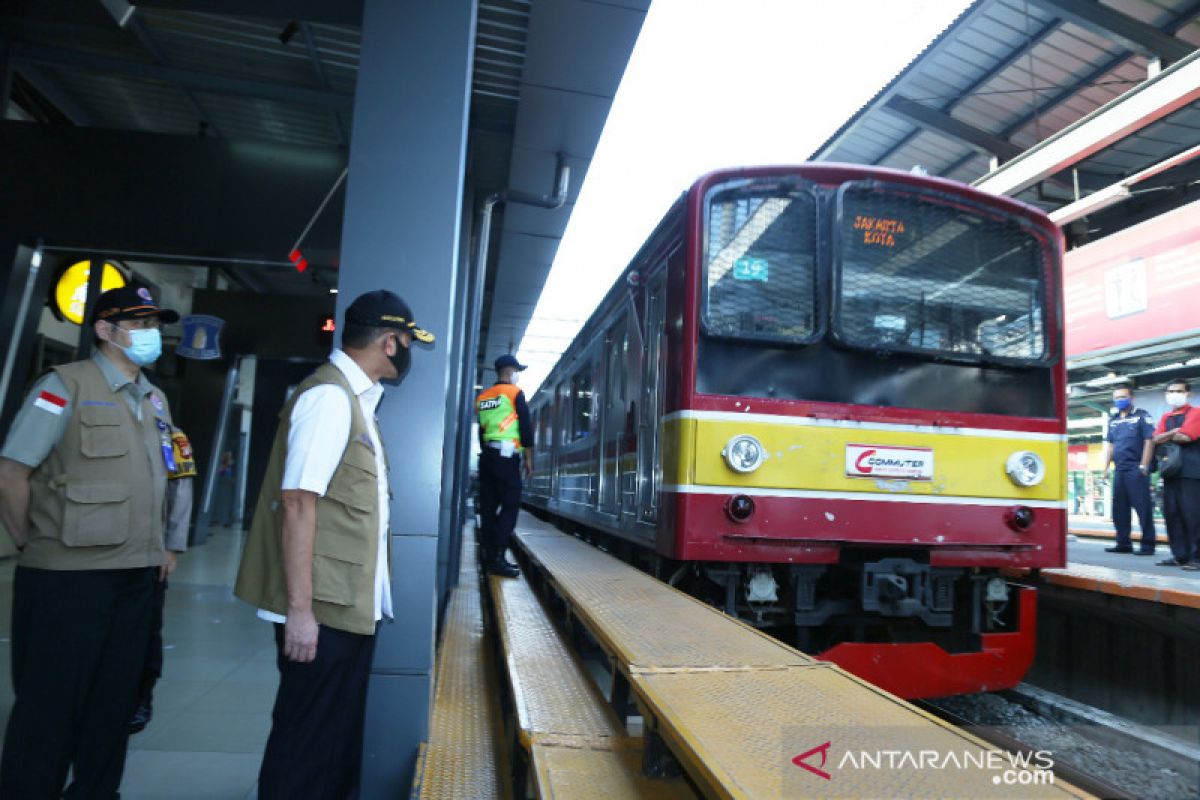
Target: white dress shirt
(317,438)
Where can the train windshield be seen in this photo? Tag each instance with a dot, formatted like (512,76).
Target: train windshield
(761,264)
(922,272)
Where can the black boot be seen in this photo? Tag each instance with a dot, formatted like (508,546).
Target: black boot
(503,569)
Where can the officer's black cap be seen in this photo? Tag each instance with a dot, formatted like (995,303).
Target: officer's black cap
(383,309)
(130,302)
(508,360)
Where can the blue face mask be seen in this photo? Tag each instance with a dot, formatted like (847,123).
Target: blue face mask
(145,347)
(1123,403)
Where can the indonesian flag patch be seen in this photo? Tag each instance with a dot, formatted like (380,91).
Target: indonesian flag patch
(50,402)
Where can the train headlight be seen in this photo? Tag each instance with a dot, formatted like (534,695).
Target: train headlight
(744,453)
(1026,468)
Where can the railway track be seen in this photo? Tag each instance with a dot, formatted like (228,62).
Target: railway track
(1120,782)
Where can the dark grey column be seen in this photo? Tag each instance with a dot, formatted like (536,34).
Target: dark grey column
(401,232)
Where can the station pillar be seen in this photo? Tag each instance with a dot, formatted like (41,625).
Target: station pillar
(402,233)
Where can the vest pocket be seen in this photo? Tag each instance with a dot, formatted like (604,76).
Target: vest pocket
(100,433)
(334,580)
(96,513)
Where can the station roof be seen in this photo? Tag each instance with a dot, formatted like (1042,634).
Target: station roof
(1008,74)
(284,71)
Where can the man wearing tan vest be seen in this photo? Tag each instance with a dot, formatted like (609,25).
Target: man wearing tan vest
(505,447)
(83,483)
(316,557)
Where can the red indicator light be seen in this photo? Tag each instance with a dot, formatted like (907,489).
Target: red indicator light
(328,325)
(298,259)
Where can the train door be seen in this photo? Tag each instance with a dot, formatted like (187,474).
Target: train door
(653,374)
(612,418)
(558,415)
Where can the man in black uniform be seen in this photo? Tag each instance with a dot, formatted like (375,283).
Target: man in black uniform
(506,443)
(1130,446)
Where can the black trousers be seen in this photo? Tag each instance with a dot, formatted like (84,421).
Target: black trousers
(499,501)
(152,670)
(315,747)
(78,644)
(1181,509)
(1131,491)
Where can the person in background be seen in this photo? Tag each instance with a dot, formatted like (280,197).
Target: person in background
(83,486)
(1129,446)
(179,518)
(505,446)
(1181,492)
(316,561)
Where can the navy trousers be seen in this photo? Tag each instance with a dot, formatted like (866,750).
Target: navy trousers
(315,747)
(1131,492)
(1181,509)
(499,501)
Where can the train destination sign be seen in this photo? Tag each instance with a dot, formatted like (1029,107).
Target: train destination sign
(879,231)
(881,461)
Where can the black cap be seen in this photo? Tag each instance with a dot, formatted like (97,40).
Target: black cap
(508,360)
(130,302)
(383,309)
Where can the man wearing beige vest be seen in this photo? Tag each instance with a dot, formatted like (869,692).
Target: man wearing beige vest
(83,482)
(316,558)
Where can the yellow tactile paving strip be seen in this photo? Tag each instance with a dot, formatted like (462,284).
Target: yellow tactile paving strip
(617,597)
(465,758)
(586,773)
(737,718)
(552,693)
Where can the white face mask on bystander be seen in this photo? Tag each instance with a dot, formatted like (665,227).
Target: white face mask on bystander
(1177,399)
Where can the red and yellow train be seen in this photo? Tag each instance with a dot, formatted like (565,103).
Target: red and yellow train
(832,400)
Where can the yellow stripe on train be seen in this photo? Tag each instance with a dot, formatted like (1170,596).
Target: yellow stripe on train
(814,457)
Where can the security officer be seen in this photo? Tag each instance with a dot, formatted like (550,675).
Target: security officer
(180,480)
(316,558)
(1130,447)
(505,444)
(1181,492)
(83,484)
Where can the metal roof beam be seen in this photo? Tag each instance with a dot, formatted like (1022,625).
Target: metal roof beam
(139,29)
(187,78)
(1112,24)
(1146,103)
(54,93)
(928,117)
(333,12)
(314,55)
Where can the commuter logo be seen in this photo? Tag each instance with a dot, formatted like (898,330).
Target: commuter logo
(877,461)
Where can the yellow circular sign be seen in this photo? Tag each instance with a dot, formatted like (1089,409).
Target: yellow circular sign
(70,293)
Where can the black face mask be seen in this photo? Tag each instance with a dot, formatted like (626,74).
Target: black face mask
(401,361)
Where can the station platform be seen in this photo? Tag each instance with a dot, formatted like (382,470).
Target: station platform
(1090,568)
(740,714)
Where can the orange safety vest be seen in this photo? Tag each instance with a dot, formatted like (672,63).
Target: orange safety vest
(497,411)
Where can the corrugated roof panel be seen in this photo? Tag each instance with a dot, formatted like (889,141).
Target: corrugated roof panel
(251,118)
(128,103)
(233,46)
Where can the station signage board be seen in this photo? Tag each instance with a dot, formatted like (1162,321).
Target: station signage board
(1135,286)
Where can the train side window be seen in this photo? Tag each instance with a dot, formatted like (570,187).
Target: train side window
(581,403)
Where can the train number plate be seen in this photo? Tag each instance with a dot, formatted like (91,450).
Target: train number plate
(879,461)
